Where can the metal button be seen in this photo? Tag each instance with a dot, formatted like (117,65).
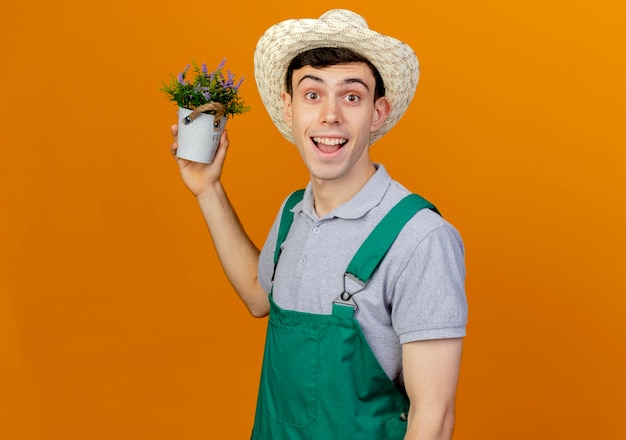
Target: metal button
(403,417)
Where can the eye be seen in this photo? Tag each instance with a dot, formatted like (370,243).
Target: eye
(311,96)
(353,98)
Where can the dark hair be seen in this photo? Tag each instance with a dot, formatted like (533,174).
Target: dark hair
(330,56)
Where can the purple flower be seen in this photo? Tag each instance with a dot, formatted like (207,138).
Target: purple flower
(182,75)
(206,86)
(229,82)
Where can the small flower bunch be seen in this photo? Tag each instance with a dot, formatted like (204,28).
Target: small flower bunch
(206,88)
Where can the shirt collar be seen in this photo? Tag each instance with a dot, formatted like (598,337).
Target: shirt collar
(363,201)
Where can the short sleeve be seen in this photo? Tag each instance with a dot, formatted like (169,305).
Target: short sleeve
(266,258)
(429,300)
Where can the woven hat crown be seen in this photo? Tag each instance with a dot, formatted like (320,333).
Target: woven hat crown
(395,61)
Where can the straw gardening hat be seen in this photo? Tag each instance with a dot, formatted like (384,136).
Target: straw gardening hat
(395,60)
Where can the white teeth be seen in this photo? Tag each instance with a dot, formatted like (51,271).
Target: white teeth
(329,141)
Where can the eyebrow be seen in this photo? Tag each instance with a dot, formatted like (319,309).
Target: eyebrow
(344,82)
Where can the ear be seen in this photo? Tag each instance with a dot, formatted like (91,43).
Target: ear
(286,97)
(382,108)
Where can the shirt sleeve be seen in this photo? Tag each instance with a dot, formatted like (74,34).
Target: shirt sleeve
(429,300)
(266,259)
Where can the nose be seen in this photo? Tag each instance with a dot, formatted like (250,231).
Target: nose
(331,112)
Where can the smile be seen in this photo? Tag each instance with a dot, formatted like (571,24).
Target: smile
(329,145)
(330,142)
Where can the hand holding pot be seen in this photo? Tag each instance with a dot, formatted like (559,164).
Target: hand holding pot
(201,177)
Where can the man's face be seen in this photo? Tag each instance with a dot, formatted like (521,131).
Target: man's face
(331,114)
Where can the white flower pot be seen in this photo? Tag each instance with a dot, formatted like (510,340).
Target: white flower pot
(198,140)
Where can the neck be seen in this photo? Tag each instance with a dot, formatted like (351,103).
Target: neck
(329,194)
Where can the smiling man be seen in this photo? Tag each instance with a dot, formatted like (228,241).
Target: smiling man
(362,280)
(332,110)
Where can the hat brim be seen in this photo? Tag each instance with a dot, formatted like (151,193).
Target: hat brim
(395,61)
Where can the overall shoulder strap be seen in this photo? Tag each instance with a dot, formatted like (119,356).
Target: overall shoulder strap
(376,245)
(285,221)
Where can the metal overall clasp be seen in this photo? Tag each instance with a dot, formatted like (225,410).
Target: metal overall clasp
(346,297)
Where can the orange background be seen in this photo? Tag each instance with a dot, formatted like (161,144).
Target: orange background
(115,318)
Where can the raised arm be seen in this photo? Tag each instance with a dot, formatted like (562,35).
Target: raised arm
(237,253)
(431,371)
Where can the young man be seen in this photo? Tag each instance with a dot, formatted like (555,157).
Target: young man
(363,282)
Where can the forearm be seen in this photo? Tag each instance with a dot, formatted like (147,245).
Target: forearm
(434,424)
(237,253)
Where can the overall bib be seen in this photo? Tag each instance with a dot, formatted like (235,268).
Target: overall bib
(320,379)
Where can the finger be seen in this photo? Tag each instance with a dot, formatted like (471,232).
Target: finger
(174,145)
(222,148)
